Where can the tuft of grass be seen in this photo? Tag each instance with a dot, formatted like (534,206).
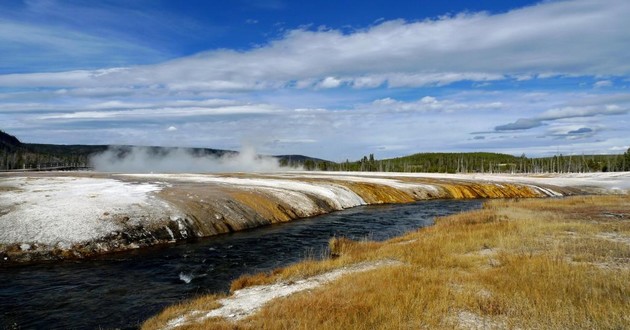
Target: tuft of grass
(532,263)
(339,246)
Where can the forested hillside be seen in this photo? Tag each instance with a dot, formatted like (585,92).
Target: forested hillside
(483,162)
(8,142)
(17,155)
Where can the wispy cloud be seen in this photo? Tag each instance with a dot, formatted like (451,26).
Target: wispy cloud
(602,84)
(45,47)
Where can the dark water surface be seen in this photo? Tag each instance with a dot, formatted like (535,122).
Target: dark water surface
(122,290)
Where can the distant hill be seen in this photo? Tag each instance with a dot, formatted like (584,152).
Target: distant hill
(9,142)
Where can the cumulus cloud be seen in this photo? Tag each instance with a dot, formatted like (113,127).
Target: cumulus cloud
(329,82)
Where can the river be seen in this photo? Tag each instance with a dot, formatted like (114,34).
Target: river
(120,291)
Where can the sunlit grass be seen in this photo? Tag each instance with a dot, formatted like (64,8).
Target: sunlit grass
(531,263)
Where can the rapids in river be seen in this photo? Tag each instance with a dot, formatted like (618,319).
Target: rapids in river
(120,291)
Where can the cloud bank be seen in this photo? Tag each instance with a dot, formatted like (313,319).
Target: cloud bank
(584,37)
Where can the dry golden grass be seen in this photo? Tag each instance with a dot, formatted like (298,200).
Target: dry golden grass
(529,264)
(208,302)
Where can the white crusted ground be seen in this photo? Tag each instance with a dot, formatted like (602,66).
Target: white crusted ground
(245,302)
(65,210)
(287,184)
(611,182)
(60,211)
(292,191)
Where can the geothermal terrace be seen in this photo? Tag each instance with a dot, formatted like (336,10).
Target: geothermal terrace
(48,216)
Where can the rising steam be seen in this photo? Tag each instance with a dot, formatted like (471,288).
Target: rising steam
(180,160)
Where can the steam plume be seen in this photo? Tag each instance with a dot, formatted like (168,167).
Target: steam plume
(180,160)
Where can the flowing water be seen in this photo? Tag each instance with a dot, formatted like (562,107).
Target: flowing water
(122,290)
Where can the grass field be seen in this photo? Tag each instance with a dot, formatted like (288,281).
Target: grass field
(528,264)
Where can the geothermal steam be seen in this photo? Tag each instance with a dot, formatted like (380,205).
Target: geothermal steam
(180,160)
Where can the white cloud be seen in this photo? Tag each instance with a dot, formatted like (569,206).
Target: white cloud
(171,129)
(385,102)
(430,103)
(220,106)
(386,126)
(158,112)
(437,79)
(551,38)
(572,131)
(428,100)
(368,82)
(329,82)
(602,84)
(583,111)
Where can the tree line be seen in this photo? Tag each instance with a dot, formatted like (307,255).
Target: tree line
(15,155)
(27,160)
(480,162)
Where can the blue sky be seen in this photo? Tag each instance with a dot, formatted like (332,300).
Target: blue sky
(330,79)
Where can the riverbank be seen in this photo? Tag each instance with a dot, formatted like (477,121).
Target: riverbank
(532,263)
(51,216)
(122,290)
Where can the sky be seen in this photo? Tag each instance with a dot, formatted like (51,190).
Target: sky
(330,79)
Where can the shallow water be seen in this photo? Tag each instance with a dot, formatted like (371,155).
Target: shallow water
(122,290)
